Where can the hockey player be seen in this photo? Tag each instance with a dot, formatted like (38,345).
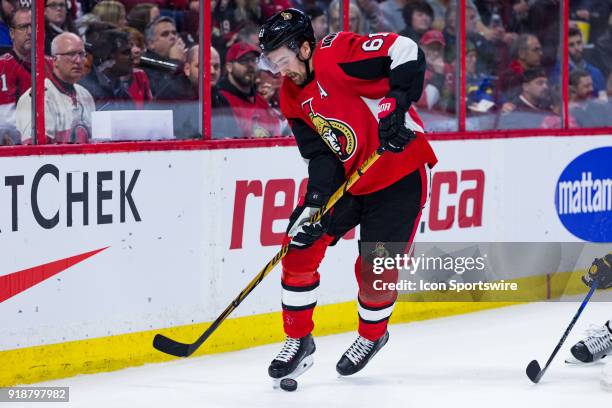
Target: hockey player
(598,343)
(344,97)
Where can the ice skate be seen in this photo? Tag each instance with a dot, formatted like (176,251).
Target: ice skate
(595,346)
(359,354)
(294,359)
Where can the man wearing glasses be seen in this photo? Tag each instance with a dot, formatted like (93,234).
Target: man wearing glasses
(252,112)
(15,73)
(68,106)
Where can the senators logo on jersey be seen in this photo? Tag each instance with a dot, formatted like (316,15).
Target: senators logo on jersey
(336,134)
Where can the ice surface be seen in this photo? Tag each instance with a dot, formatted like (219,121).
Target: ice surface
(473,360)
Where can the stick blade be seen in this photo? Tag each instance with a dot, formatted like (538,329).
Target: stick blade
(533,371)
(172,347)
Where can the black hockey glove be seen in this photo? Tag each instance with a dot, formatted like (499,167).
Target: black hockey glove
(392,131)
(303,233)
(600,271)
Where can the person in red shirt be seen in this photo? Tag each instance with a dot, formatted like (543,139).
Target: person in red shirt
(15,73)
(252,112)
(344,98)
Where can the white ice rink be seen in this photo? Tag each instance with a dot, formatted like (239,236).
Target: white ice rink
(473,360)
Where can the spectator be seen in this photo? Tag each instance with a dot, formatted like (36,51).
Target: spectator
(215,67)
(270,7)
(137,43)
(68,106)
(497,10)
(543,22)
(319,22)
(93,29)
(57,21)
(249,34)
(520,16)
(335,18)
(581,84)
(7,7)
(587,111)
(162,4)
(531,106)
(268,86)
(228,17)
(246,11)
(374,19)
(186,103)
(418,17)
(223,122)
(528,51)
(576,60)
(594,12)
(182,98)
(600,54)
(438,89)
(15,73)
(113,82)
(191,19)
(476,32)
(250,110)
(365,16)
(479,86)
(165,46)
(554,121)
(141,15)
(496,15)
(450,33)
(393,12)
(112,12)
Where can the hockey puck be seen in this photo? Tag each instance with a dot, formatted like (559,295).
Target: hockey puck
(288,384)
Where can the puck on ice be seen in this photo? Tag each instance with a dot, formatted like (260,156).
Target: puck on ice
(288,384)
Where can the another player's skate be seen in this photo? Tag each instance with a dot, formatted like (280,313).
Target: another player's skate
(359,354)
(293,360)
(595,346)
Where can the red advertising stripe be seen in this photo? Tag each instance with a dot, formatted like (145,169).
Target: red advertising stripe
(17,282)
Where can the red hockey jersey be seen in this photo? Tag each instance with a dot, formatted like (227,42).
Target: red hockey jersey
(252,112)
(337,111)
(15,79)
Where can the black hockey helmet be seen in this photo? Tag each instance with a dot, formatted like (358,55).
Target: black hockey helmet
(290,27)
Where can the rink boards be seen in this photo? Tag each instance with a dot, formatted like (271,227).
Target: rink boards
(101,251)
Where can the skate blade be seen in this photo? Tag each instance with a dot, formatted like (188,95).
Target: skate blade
(304,366)
(574,361)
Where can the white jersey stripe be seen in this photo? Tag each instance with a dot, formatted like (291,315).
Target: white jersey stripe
(297,299)
(403,50)
(374,315)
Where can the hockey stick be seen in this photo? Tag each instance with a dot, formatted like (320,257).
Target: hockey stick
(175,348)
(534,372)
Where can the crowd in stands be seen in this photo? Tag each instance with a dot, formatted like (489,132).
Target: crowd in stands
(109,55)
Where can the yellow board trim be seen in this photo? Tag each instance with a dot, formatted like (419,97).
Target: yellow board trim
(53,361)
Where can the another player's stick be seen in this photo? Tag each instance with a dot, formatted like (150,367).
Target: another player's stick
(534,372)
(175,348)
